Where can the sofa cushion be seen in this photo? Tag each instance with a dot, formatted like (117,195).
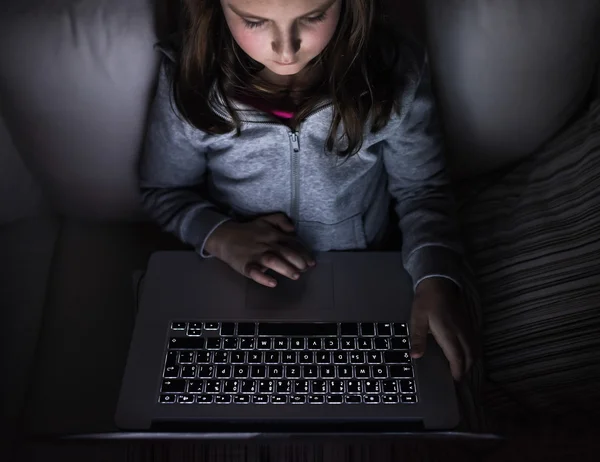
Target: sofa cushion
(509,74)
(26,252)
(76,79)
(533,234)
(88,321)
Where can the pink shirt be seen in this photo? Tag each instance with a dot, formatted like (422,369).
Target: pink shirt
(266,107)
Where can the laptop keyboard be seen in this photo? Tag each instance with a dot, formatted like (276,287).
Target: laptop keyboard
(281,363)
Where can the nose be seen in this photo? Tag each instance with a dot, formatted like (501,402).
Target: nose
(286,45)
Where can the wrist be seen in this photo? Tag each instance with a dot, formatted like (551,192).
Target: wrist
(214,243)
(438,284)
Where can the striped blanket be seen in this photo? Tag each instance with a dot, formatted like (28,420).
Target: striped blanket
(533,238)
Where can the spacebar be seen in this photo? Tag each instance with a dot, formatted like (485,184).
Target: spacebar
(303,329)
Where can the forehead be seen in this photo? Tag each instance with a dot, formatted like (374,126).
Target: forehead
(270,7)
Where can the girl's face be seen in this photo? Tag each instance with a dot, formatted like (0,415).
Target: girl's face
(283,35)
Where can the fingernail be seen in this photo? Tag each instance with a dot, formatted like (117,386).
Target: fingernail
(272,283)
(295,275)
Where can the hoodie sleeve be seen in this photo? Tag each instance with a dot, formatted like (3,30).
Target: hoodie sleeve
(172,170)
(415,161)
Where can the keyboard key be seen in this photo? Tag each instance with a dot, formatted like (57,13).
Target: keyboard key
(407,386)
(292,371)
(409,399)
(315,344)
(228,329)
(246,329)
(381,343)
(171,358)
(167,399)
(316,399)
(272,357)
(367,329)
(241,399)
(205,371)
(297,329)
(221,357)
(280,344)
(186,343)
(323,357)
(223,372)
(380,372)
(307,357)
(357,357)
(297,399)
(344,372)
(171,372)
(384,329)
(364,343)
(401,372)
(211,325)
(353,399)
(213,343)
(186,357)
(230,386)
(348,344)
(178,325)
(188,372)
(260,399)
(248,386)
(400,343)
(371,386)
(275,372)
(173,386)
(204,399)
(319,386)
(213,386)
(362,372)
(246,343)
(371,399)
(389,399)
(266,386)
(288,357)
(194,332)
(241,372)
(349,329)
(310,371)
(374,357)
(255,357)
(195,386)
(203,357)
(390,386)
(230,343)
(185,399)
(222,399)
(238,357)
(400,329)
(297,343)
(301,386)
(258,372)
(336,386)
(340,357)
(328,372)
(335,399)
(283,386)
(396,357)
(278,399)
(331,344)
(195,325)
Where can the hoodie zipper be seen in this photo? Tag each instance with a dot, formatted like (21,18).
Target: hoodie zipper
(295,161)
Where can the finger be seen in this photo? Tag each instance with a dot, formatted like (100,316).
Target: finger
(280,221)
(452,348)
(257,273)
(291,255)
(279,264)
(298,246)
(419,327)
(467,352)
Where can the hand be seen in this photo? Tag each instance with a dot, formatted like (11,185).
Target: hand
(438,307)
(265,243)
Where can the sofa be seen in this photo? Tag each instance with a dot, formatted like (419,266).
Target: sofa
(517,83)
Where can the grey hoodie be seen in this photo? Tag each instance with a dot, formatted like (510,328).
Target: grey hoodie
(192,181)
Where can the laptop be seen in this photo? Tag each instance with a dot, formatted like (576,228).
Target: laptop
(214,351)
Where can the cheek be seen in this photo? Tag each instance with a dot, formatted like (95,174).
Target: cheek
(248,40)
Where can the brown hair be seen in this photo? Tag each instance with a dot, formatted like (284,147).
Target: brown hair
(359,61)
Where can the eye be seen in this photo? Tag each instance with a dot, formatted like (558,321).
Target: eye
(253,24)
(316,19)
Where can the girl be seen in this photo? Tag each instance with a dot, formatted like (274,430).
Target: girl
(282,127)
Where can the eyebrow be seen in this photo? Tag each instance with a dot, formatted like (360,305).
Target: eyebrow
(320,9)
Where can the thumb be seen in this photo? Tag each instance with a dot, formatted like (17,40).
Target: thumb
(419,327)
(281,221)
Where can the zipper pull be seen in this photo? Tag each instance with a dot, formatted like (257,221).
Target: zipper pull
(294,140)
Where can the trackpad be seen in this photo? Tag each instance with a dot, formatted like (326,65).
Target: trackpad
(309,296)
